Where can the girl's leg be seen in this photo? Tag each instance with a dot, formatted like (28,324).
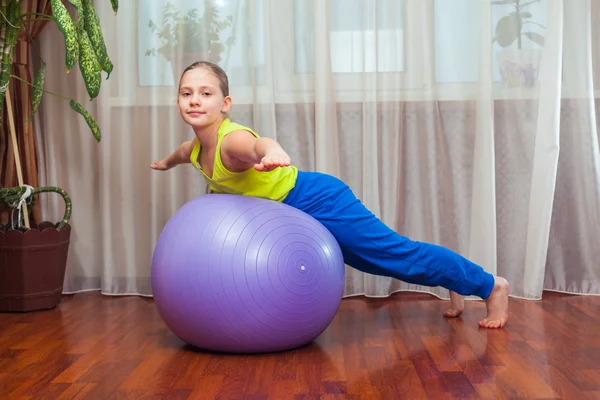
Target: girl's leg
(457,305)
(372,247)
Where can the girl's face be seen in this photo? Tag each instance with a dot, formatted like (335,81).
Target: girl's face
(200,101)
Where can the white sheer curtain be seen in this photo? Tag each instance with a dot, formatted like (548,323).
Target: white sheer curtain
(402,99)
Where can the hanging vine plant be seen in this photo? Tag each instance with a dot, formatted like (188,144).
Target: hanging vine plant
(84,47)
(33,256)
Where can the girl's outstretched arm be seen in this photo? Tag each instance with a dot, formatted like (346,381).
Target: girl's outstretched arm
(179,156)
(264,154)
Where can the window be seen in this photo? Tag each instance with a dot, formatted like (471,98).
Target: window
(458,36)
(173,34)
(363,36)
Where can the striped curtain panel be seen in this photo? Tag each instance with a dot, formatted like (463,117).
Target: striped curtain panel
(21,105)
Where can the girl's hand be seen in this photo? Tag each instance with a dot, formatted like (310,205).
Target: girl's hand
(275,158)
(160,165)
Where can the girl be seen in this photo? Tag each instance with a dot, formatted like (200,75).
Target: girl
(235,160)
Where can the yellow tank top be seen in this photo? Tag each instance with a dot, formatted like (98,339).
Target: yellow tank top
(273,185)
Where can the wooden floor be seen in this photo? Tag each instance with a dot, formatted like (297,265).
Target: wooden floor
(101,347)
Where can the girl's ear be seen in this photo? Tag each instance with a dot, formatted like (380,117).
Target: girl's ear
(226,104)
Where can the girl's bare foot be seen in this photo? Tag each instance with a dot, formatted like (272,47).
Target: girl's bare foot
(497,305)
(457,305)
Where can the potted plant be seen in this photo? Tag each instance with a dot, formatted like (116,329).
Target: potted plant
(186,38)
(518,67)
(32,260)
(33,255)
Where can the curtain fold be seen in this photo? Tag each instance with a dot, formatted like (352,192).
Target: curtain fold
(438,129)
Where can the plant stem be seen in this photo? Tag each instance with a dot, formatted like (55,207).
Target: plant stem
(35,13)
(9,33)
(44,90)
(9,197)
(39,19)
(29,33)
(8,38)
(3,13)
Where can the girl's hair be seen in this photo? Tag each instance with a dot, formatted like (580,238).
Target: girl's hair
(215,69)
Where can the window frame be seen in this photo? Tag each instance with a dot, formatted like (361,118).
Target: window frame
(348,84)
(284,85)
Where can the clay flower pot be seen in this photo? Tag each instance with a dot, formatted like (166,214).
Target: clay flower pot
(32,260)
(32,267)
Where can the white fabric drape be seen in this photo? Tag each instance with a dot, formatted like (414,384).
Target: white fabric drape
(411,114)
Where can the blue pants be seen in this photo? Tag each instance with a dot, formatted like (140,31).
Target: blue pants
(372,247)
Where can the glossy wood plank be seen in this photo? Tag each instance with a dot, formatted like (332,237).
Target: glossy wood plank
(100,347)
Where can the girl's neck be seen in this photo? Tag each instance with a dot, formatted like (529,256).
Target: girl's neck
(208,135)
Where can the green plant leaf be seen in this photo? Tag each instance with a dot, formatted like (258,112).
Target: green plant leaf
(38,89)
(77,4)
(108,67)
(79,7)
(536,38)
(67,27)
(88,118)
(89,66)
(92,27)
(115,5)
(188,31)
(508,30)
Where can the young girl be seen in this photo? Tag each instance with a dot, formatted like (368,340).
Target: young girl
(235,160)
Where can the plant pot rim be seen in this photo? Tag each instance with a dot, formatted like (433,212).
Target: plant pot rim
(50,228)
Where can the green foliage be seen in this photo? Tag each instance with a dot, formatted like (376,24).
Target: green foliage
(88,118)
(192,33)
(9,197)
(38,89)
(84,44)
(79,7)
(115,5)
(510,27)
(92,27)
(89,65)
(67,28)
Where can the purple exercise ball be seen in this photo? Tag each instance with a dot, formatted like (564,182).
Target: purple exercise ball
(240,274)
